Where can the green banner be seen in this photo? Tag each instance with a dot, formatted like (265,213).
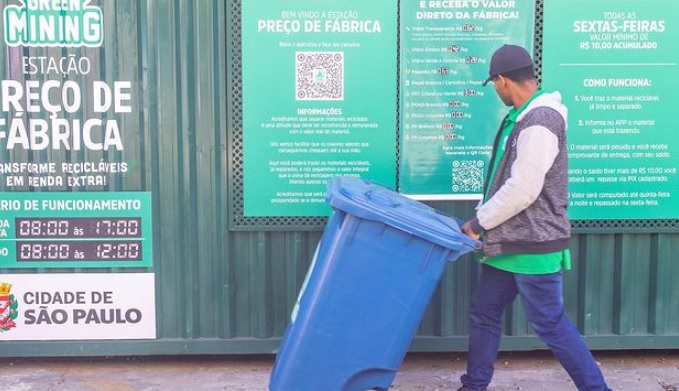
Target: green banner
(319,100)
(615,63)
(448,120)
(68,140)
(75,230)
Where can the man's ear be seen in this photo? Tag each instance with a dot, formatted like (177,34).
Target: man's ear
(502,80)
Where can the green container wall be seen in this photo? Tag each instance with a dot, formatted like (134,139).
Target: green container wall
(226,284)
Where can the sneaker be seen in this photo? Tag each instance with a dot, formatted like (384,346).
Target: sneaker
(463,388)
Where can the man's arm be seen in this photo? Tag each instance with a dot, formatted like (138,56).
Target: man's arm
(537,147)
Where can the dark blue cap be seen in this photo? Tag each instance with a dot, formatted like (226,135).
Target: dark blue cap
(506,59)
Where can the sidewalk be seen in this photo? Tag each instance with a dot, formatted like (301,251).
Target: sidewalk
(526,371)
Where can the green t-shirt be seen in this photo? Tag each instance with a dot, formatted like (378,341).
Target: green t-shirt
(524,263)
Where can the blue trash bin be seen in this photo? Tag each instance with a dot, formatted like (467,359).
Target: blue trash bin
(377,265)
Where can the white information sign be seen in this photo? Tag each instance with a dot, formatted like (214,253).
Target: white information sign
(77,306)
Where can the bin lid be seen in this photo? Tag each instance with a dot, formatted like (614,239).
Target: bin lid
(370,201)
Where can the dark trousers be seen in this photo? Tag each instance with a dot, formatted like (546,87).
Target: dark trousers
(542,298)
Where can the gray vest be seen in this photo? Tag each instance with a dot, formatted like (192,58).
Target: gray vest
(544,226)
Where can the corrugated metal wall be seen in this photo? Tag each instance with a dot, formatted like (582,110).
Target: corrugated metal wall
(223,289)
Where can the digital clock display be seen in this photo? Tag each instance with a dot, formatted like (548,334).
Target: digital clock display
(76,230)
(61,251)
(80,227)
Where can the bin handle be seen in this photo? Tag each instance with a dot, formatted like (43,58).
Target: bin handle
(440,217)
(377,197)
(371,195)
(445,220)
(388,201)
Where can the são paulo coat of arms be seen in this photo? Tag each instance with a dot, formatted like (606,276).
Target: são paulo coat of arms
(8,307)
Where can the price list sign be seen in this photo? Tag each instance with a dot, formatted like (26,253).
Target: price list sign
(616,65)
(38,230)
(448,120)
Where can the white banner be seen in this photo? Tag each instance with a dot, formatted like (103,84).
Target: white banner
(77,306)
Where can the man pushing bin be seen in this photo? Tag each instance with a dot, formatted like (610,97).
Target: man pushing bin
(524,224)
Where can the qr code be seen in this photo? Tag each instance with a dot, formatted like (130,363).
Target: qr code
(320,75)
(468,176)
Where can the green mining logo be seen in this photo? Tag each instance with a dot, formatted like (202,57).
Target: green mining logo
(68,23)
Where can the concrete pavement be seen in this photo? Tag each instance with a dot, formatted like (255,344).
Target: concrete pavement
(526,371)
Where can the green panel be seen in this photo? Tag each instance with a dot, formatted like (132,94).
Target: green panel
(589,63)
(664,297)
(632,281)
(310,84)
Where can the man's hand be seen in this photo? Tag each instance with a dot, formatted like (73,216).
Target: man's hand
(467,230)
